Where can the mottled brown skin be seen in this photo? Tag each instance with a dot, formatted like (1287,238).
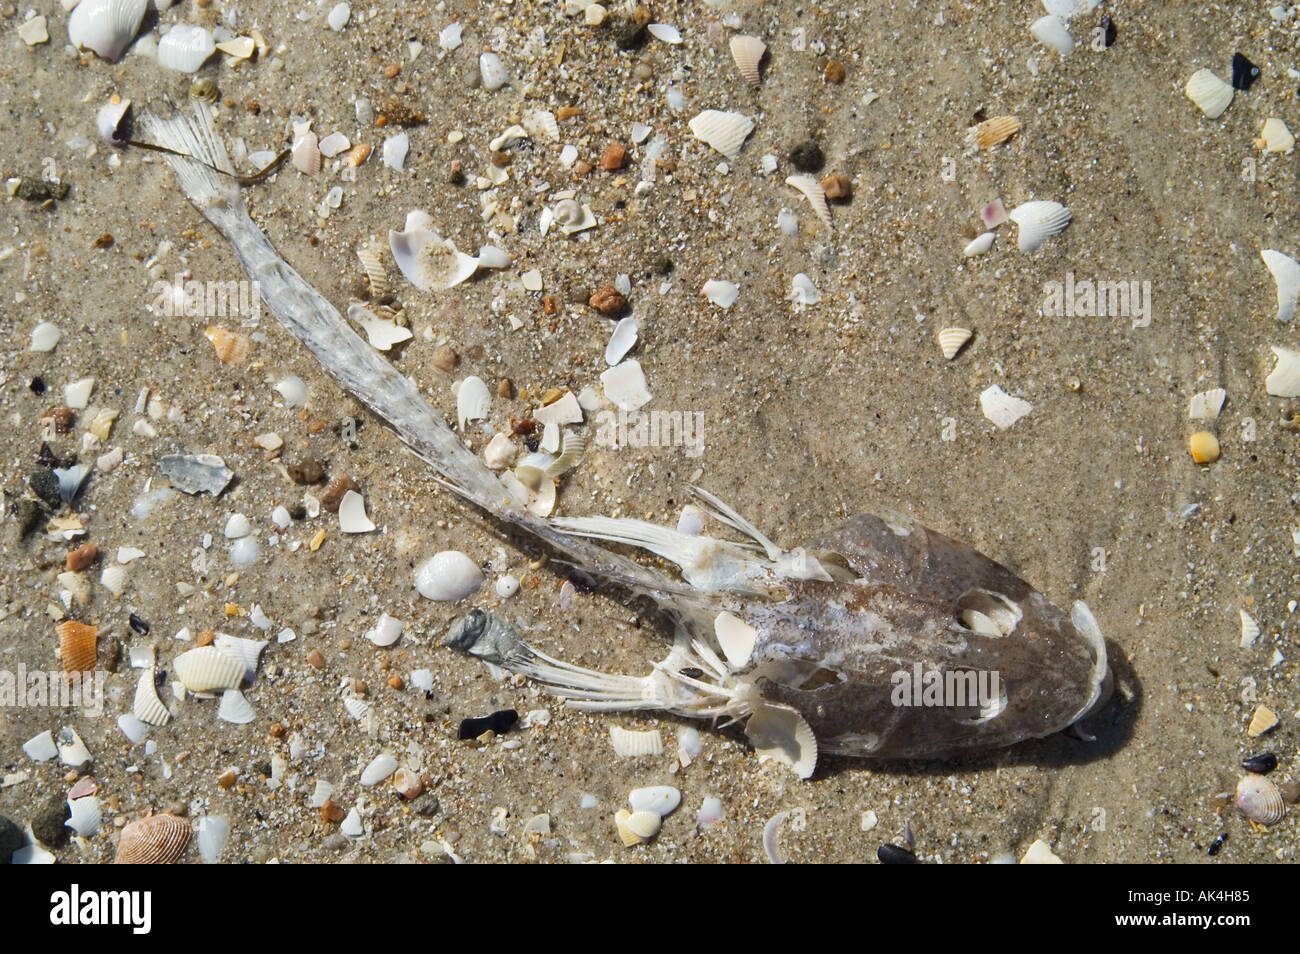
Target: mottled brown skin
(850,638)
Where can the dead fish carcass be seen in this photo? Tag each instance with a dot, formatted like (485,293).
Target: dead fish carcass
(812,649)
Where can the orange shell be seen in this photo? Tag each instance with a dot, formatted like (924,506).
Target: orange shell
(993,131)
(153,840)
(231,348)
(77,646)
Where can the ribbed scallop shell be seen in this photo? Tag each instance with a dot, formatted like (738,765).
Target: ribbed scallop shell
(992,131)
(207,668)
(628,744)
(541,124)
(812,191)
(724,131)
(371,256)
(781,734)
(748,52)
(356,708)
(77,651)
(951,341)
(1038,221)
(231,348)
(636,828)
(1209,93)
(1263,719)
(155,840)
(147,707)
(1206,405)
(105,26)
(247,651)
(1260,800)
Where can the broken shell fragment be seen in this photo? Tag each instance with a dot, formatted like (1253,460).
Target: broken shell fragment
(77,652)
(1001,408)
(448,576)
(1286,272)
(980,245)
(185,47)
(1038,221)
(147,707)
(1206,405)
(386,631)
(1284,380)
(352,514)
(951,341)
(736,637)
(194,474)
(429,261)
(812,191)
(721,293)
(1249,630)
(110,121)
(1211,94)
(207,668)
(637,827)
(231,347)
(306,155)
(724,131)
(212,831)
(629,744)
(1051,32)
(492,71)
(780,734)
(989,133)
(473,401)
(748,52)
(625,385)
(380,767)
(153,840)
(1275,137)
(1040,853)
(235,709)
(1260,800)
(1262,721)
(72,751)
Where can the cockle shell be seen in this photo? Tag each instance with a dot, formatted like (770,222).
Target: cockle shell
(1275,137)
(991,132)
(724,131)
(1206,405)
(473,401)
(636,828)
(147,707)
(748,52)
(778,733)
(105,26)
(247,651)
(306,155)
(83,815)
(356,708)
(1284,380)
(235,709)
(951,341)
(153,840)
(207,668)
(231,347)
(1051,32)
(1211,94)
(1286,272)
(979,245)
(629,744)
(812,191)
(448,576)
(1038,221)
(542,124)
(77,652)
(185,47)
(429,261)
(1260,800)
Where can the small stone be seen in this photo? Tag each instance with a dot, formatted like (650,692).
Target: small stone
(426,805)
(833,72)
(47,824)
(30,515)
(581,169)
(11,839)
(608,301)
(614,157)
(335,492)
(316,659)
(277,730)
(445,359)
(309,471)
(807,156)
(837,187)
(395,682)
(329,812)
(46,486)
(629,35)
(227,779)
(1204,447)
(60,418)
(642,16)
(82,557)
(408,784)
(505,389)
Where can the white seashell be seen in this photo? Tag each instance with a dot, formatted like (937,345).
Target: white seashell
(109,123)
(356,708)
(780,734)
(395,150)
(338,17)
(628,744)
(34,31)
(422,679)
(736,637)
(803,292)
(499,452)
(448,576)
(128,554)
(979,245)
(1209,93)
(748,52)
(208,668)
(1001,408)
(70,480)
(113,578)
(44,337)
(542,124)
(244,551)
(721,293)
(77,394)
(625,385)
(621,341)
(306,154)
(247,651)
(185,47)
(131,727)
(352,825)
(637,827)
(83,815)
(1286,272)
(72,751)
(1038,221)
(147,707)
(211,834)
(572,217)
(665,33)
(573,448)
(386,631)
(492,71)
(428,260)
(1040,853)
(812,191)
(239,47)
(951,341)
(1206,405)
(449,36)
(320,793)
(1260,800)
(660,799)
(724,131)
(237,526)
(563,411)
(512,134)
(1249,630)
(352,514)
(333,144)
(293,390)
(507,586)
(710,813)
(41,748)
(771,831)
(382,333)
(1051,32)
(473,401)
(235,709)
(105,26)
(1284,381)
(380,767)
(489,256)
(1275,137)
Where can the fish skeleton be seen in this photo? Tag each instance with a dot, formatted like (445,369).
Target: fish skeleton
(881,639)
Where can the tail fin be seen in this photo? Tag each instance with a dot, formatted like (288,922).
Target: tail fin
(201,175)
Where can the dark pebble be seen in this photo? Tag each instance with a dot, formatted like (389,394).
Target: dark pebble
(30,515)
(308,471)
(298,512)
(662,264)
(894,855)
(1244,72)
(47,824)
(37,386)
(141,626)
(499,722)
(426,805)
(807,156)
(335,842)
(1108,32)
(11,839)
(629,35)
(1217,845)
(46,486)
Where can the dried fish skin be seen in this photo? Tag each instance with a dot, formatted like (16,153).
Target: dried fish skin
(196,473)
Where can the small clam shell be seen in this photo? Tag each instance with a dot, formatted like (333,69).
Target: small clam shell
(77,641)
(448,576)
(1260,800)
(748,52)
(105,26)
(636,828)
(1286,272)
(1206,405)
(724,131)
(1211,94)
(352,514)
(951,341)
(1284,380)
(113,578)
(979,245)
(1263,720)
(1038,221)
(231,348)
(1052,33)
(542,124)
(660,799)
(386,630)
(208,668)
(473,401)
(781,734)
(1275,137)
(154,840)
(992,131)
(306,154)
(812,191)
(147,707)
(629,744)
(235,709)
(247,651)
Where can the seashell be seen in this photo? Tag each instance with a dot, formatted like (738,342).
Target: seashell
(1211,94)
(621,341)
(509,137)
(1284,380)
(131,727)
(333,144)
(571,216)
(489,256)
(237,527)
(492,71)
(113,578)
(1275,137)
(780,734)
(993,214)
(724,131)
(83,815)
(952,340)
(499,452)
(812,191)
(573,449)
(352,826)
(629,744)
(235,709)
(1249,630)
(710,813)
(980,245)
(989,133)
(382,333)
(153,840)
(1206,405)
(636,828)
(211,834)
(380,767)
(204,89)
(238,48)
(1040,853)
(736,637)
(771,832)
(664,32)
(231,348)
(748,52)
(1038,221)
(101,425)
(105,26)
(77,652)
(111,122)
(70,480)
(542,124)
(293,390)
(386,631)
(1286,272)
(72,751)
(660,799)
(306,154)
(1260,800)
(147,707)
(352,514)
(247,651)
(1260,764)
(473,401)
(185,47)
(45,336)
(1001,408)
(803,292)
(563,410)
(395,150)
(448,576)
(356,708)
(427,260)
(1051,32)
(507,586)
(41,748)
(721,293)
(1263,719)
(1204,447)
(625,386)
(208,668)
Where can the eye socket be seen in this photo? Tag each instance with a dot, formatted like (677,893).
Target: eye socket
(466,633)
(987,613)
